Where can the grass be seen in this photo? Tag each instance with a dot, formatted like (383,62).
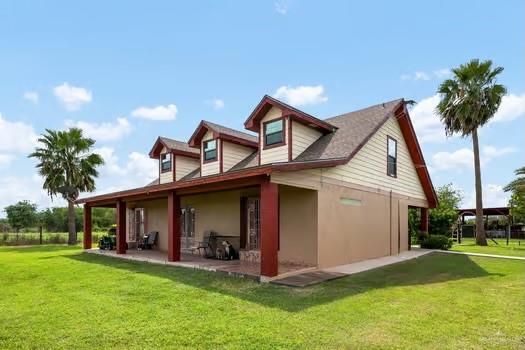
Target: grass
(59,297)
(501,248)
(33,238)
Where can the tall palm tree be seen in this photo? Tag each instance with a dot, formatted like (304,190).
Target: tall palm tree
(67,168)
(517,185)
(467,102)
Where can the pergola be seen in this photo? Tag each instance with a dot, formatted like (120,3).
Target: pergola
(487,212)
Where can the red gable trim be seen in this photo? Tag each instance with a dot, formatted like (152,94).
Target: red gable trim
(159,144)
(267,102)
(407,129)
(203,128)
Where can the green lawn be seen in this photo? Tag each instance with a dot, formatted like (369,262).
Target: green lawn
(501,248)
(59,297)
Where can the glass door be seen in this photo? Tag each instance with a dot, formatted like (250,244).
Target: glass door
(187,222)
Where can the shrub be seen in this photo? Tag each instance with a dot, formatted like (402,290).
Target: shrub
(437,242)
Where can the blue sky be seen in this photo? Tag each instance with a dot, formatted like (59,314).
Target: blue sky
(129,71)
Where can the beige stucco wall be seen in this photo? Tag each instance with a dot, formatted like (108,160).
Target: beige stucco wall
(184,166)
(211,167)
(298,225)
(275,154)
(167,176)
(368,167)
(157,220)
(233,154)
(350,233)
(302,137)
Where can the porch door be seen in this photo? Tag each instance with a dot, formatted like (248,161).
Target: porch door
(138,229)
(187,222)
(253,223)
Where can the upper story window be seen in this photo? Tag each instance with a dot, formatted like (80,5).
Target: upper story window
(210,150)
(165,162)
(391,158)
(274,133)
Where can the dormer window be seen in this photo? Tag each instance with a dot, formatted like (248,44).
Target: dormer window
(210,150)
(274,133)
(165,162)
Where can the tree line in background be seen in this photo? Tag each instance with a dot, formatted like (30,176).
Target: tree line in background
(25,217)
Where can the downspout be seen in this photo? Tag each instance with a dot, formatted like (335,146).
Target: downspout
(390,224)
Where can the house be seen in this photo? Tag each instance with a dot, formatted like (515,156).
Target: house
(292,189)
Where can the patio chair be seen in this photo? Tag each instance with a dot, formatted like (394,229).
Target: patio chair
(148,241)
(206,244)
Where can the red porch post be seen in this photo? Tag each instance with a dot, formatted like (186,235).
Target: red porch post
(87,226)
(173,227)
(424,220)
(121,227)
(269,228)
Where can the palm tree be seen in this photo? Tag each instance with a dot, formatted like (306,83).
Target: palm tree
(467,102)
(67,168)
(517,185)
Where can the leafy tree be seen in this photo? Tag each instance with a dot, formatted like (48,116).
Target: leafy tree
(21,215)
(468,101)
(517,207)
(517,186)
(442,218)
(68,168)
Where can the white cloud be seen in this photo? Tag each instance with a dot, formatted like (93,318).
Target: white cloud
(512,107)
(463,159)
(422,75)
(103,131)
(16,137)
(301,95)
(168,112)
(442,73)
(31,96)
(139,169)
(72,97)
(493,196)
(17,188)
(216,103)
(281,7)
(426,122)
(5,159)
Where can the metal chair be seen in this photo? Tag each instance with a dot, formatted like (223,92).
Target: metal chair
(206,244)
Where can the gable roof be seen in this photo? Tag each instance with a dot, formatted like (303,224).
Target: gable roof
(173,146)
(354,129)
(267,102)
(222,132)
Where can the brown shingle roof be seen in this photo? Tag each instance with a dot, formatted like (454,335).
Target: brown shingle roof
(178,145)
(354,129)
(232,132)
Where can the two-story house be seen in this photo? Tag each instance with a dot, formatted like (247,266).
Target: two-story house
(294,189)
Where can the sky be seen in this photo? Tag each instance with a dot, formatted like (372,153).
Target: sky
(127,72)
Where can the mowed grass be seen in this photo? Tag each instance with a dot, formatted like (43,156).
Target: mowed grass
(515,247)
(59,297)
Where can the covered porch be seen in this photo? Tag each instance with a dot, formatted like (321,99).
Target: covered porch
(269,224)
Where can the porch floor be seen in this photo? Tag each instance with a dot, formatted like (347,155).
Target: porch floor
(230,267)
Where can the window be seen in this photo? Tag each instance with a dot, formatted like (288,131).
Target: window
(391,158)
(273,133)
(210,150)
(165,162)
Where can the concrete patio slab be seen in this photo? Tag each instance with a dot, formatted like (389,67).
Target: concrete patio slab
(370,264)
(308,278)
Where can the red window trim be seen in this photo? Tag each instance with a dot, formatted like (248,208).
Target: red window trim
(265,146)
(204,160)
(162,171)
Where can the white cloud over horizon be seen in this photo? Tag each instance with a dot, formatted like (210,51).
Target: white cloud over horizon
(16,137)
(493,196)
(157,113)
(420,75)
(301,95)
(281,7)
(103,131)
(31,96)
(216,103)
(72,97)
(463,159)
(430,129)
